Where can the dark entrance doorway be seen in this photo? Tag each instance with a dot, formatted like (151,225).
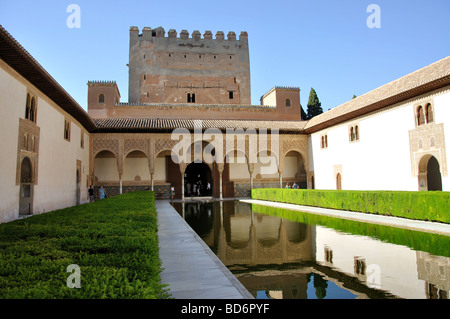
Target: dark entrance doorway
(434,179)
(198,180)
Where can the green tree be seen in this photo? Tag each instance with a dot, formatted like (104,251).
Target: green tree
(303,113)
(314,106)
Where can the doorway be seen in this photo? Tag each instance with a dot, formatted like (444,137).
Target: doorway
(26,187)
(198,180)
(429,176)
(434,179)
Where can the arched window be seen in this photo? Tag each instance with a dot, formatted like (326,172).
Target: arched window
(356,133)
(101,98)
(322,144)
(27,107)
(352,134)
(288,103)
(429,113)
(420,116)
(33,109)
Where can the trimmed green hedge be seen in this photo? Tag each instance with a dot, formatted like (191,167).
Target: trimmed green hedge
(431,206)
(113,241)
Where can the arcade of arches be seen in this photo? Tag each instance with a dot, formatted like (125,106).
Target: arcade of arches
(123,163)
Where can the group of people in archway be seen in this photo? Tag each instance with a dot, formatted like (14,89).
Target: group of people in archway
(198,188)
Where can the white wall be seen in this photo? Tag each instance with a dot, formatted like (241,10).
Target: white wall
(442,115)
(381,159)
(12,106)
(57,159)
(136,166)
(105,169)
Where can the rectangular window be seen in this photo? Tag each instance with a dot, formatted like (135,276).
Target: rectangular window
(82,139)
(231,94)
(67,130)
(324,141)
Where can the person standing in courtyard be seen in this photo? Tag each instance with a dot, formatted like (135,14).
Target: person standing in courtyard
(172,191)
(101,192)
(91,194)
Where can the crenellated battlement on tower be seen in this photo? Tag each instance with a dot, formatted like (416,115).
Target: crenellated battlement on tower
(172,67)
(149,33)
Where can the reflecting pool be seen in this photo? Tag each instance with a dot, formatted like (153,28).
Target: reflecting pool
(282,254)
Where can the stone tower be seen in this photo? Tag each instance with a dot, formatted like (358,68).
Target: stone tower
(188,69)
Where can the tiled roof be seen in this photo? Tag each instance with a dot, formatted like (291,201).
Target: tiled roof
(119,125)
(424,80)
(22,62)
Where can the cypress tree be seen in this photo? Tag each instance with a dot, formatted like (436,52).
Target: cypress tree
(303,113)
(314,105)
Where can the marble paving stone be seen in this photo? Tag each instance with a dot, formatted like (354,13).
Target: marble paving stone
(189,266)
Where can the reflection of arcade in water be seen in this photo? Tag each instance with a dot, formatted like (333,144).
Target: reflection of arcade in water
(278,258)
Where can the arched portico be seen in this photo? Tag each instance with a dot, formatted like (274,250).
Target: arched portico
(106,171)
(294,169)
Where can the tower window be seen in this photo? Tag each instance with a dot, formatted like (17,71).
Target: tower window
(288,103)
(191,97)
(101,98)
(230,95)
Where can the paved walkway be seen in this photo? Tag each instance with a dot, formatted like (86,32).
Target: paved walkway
(190,268)
(425,226)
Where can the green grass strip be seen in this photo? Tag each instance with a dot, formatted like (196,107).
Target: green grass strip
(113,241)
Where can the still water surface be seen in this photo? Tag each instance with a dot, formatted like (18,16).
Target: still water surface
(281,254)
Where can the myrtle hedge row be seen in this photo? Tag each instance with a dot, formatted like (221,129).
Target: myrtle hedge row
(430,206)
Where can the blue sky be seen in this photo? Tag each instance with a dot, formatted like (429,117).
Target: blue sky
(324,44)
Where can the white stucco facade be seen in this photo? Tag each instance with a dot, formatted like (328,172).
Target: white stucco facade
(381,158)
(55,170)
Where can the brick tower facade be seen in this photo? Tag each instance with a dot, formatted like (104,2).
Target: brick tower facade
(188,69)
